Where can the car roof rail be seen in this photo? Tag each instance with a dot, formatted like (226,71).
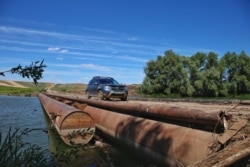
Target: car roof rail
(101,77)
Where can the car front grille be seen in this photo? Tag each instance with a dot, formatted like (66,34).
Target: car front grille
(120,88)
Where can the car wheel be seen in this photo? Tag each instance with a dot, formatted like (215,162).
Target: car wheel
(88,95)
(100,95)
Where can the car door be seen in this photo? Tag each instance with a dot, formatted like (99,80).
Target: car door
(93,87)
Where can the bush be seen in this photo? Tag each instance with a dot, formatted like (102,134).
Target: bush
(15,152)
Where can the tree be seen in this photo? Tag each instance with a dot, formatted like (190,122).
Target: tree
(186,88)
(223,84)
(205,74)
(199,75)
(166,75)
(211,75)
(243,79)
(237,72)
(34,71)
(151,83)
(196,67)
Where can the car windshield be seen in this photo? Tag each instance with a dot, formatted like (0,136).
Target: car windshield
(108,81)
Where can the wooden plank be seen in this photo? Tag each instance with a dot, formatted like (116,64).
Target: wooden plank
(228,134)
(237,152)
(238,125)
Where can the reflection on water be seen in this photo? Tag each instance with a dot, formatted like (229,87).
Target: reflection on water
(27,112)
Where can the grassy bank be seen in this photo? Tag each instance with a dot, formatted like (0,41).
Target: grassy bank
(15,91)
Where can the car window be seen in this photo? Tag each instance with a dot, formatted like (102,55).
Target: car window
(95,81)
(108,81)
(91,82)
(115,82)
(105,81)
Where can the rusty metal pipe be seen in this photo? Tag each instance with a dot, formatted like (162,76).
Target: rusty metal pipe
(156,110)
(172,144)
(73,125)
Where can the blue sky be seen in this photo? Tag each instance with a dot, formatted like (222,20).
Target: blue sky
(81,39)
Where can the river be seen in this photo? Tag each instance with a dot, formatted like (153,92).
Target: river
(23,112)
(27,112)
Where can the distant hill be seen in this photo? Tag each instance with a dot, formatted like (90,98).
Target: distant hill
(11,84)
(23,84)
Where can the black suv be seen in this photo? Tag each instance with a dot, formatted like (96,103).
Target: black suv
(106,88)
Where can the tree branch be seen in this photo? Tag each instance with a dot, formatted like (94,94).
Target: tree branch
(34,71)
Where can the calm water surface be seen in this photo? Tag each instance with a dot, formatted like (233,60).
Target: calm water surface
(23,112)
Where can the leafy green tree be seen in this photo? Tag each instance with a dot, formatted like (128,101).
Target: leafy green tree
(243,80)
(199,75)
(34,71)
(211,82)
(237,72)
(166,75)
(205,75)
(211,76)
(223,84)
(186,88)
(212,60)
(196,67)
(150,85)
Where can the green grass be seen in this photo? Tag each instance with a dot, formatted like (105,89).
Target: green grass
(240,97)
(30,90)
(7,90)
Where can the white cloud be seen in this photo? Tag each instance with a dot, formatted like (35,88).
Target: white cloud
(59,58)
(132,39)
(57,49)
(53,49)
(63,65)
(64,51)
(95,67)
(131,58)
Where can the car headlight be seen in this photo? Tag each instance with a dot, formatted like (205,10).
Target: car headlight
(107,88)
(126,88)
